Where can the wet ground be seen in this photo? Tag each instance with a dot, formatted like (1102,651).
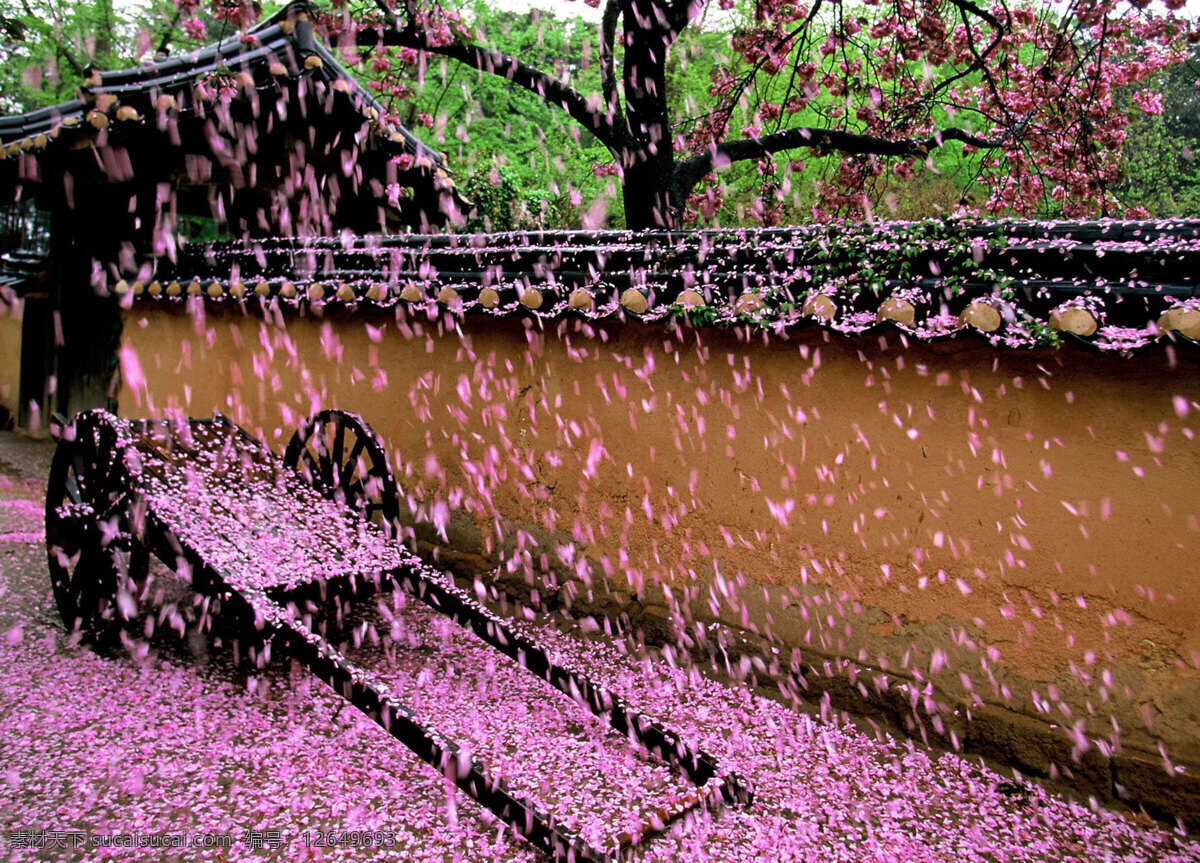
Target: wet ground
(169,743)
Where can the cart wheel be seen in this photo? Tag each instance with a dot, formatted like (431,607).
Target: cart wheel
(97,562)
(339,454)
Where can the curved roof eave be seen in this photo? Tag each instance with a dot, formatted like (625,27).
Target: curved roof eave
(274,41)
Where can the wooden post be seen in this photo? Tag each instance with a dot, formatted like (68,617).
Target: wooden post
(85,362)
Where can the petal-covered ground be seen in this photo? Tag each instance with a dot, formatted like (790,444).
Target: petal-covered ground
(167,744)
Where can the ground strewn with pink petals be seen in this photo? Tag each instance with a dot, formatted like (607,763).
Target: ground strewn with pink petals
(166,740)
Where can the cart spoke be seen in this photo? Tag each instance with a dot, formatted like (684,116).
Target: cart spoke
(72,490)
(350,466)
(326,473)
(355,495)
(82,577)
(349,469)
(64,535)
(77,475)
(115,503)
(311,471)
(339,440)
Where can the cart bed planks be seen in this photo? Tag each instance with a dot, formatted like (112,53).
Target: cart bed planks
(267,540)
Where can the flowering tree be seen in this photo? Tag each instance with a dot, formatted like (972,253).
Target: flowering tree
(1042,94)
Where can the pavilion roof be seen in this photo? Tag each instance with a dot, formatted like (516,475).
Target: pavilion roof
(280,47)
(278,73)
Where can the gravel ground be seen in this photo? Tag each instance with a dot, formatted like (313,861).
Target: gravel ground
(170,743)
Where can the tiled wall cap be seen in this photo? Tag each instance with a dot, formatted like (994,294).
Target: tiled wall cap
(982,316)
(489,298)
(287,290)
(532,299)
(345,293)
(278,70)
(193,289)
(897,309)
(581,300)
(40,141)
(820,306)
(314,62)
(128,114)
(237,290)
(121,288)
(376,292)
(412,293)
(106,101)
(174,290)
(138,288)
(634,301)
(316,292)
(691,299)
(214,290)
(262,289)
(748,303)
(165,102)
(155,289)
(1181,320)
(1072,319)
(447,296)
(97,119)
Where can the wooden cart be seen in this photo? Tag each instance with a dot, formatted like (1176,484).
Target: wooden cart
(206,498)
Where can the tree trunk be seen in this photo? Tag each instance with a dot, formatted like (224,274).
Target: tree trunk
(648,194)
(649,163)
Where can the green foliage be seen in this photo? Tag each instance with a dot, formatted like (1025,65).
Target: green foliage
(495,196)
(1162,151)
(857,258)
(485,124)
(490,128)
(49,43)
(46,46)
(1040,333)
(844,261)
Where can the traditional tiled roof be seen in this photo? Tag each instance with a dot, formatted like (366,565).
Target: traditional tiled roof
(278,63)
(20,271)
(1113,285)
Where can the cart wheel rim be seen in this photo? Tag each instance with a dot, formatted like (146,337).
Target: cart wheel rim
(339,454)
(97,564)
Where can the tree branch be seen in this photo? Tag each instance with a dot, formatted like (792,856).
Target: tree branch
(735,97)
(496,63)
(968,6)
(165,44)
(681,12)
(608,60)
(691,171)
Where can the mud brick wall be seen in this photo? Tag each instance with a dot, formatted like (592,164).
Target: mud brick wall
(994,548)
